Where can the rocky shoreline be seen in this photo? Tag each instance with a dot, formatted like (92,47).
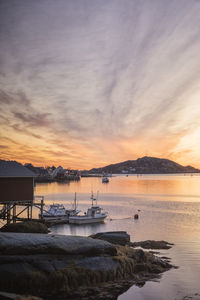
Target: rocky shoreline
(73,267)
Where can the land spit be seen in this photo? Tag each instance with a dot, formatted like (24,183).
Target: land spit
(73,267)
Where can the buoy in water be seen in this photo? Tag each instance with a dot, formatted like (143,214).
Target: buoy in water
(136,216)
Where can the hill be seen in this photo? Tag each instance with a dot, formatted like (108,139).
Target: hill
(146,165)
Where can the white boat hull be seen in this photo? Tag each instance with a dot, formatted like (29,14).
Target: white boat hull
(86,220)
(54,218)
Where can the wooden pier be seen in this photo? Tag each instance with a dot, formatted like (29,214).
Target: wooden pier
(11,211)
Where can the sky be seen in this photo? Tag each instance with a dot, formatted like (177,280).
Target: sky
(87,83)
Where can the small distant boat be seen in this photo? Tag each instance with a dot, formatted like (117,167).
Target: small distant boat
(105,180)
(58,211)
(94,214)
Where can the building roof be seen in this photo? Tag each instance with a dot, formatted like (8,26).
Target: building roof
(14,169)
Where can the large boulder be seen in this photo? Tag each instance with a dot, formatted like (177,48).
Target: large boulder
(72,267)
(114,237)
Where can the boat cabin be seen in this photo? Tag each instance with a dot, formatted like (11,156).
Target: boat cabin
(92,211)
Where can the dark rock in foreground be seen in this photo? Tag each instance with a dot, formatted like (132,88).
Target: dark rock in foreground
(25,227)
(71,267)
(114,237)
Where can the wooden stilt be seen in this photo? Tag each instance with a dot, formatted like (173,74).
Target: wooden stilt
(31,211)
(28,211)
(14,213)
(42,207)
(8,214)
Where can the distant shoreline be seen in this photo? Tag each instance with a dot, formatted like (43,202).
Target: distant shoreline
(45,180)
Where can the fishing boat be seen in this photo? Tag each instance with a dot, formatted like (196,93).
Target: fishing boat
(55,210)
(58,211)
(94,214)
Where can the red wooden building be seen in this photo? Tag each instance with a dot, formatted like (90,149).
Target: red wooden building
(16,182)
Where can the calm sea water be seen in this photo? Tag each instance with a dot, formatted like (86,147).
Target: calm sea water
(169,210)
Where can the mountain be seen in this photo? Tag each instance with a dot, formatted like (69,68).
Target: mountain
(146,165)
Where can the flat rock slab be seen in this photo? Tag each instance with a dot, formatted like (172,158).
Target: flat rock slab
(34,243)
(114,237)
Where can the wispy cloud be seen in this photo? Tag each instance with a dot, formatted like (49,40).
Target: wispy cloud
(103,77)
(36,119)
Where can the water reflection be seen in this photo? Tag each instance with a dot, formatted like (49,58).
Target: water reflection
(155,185)
(83,230)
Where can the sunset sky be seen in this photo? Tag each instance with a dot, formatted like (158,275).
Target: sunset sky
(86,83)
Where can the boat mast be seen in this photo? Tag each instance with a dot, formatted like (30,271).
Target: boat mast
(75,203)
(92,197)
(97,197)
